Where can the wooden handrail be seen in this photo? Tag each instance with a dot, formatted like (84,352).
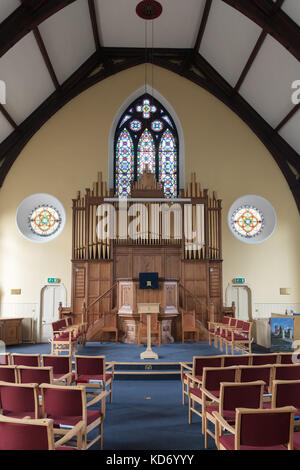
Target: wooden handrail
(190,293)
(101,296)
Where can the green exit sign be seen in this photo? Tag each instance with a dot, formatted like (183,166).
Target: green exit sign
(239,280)
(53,280)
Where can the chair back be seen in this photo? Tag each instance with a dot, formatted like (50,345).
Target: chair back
(188,319)
(90,365)
(266,427)
(19,398)
(37,375)
(30,360)
(286,358)
(253,373)
(263,359)
(239,324)
(286,393)
(238,360)
(225,320)
(241,395)
(287,372)
(60,364)
(62,401)
(5,359)
(213,376)
(246,327)
(8,374)
(69,321)
(232,322)
(20,434)
(58,325)
(199,362)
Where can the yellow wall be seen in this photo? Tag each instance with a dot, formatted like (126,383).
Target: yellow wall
(65,155)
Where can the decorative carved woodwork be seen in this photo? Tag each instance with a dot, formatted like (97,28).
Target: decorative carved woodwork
(11,330)
(106,270)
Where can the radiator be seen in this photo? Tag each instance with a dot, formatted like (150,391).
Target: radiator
(27,330)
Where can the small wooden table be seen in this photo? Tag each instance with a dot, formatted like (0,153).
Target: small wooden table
(148,309)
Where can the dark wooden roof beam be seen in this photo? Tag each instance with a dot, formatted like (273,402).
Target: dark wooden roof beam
(203,24)
(46,57)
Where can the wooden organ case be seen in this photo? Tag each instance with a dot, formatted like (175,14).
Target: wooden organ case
(181,240)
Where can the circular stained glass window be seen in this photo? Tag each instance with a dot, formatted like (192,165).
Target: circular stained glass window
(44,220)
(252,219)
(40,217)
(157,126)
(248,221)
(135,125)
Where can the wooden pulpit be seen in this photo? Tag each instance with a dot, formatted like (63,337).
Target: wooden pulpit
(149,309)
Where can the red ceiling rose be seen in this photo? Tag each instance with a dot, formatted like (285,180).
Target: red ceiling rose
(149,9)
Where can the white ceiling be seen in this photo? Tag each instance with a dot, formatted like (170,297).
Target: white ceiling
(227,43)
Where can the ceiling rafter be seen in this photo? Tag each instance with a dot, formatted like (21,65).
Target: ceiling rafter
(275,22)
(275,7)
(30,14)
(289,116)
(171,59)
(8,117)
(95,28)
(45,56)
(203,24)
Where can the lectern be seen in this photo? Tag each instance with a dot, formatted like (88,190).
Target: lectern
(148,309)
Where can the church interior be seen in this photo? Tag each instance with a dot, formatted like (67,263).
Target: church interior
(149,225)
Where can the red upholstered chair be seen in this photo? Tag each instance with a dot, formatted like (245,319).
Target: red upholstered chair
(213,327)
(30,360)
(36,375)
(63,340)
(211,379)
(223,332)
(8,374)
(286,393)
(238,338)
(199,362)
(33,434)
(238,360)
(253,373)
(67,406)
(287,372)
(257,430)
(62,367)
(92,372)
(232,396)
(5,359)
(264,359)
(19,400)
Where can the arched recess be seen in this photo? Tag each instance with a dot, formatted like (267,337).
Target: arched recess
(136,94)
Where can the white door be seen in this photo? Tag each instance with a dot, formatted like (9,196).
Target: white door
(241,296)
(50,298)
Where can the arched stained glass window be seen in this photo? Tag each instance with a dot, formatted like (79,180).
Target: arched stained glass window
(146,153)
(146,139)
(124,163)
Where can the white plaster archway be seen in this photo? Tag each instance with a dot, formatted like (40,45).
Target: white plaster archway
(56,293)
(242,296)
(136,94)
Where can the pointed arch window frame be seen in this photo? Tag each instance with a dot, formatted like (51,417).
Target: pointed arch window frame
(158,114)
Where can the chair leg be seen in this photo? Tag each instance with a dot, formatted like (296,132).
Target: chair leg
(205,424)
(190,411)
(183,394)
(101,435)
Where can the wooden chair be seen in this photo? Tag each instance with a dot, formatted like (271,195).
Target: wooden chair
(196,370)
(211,379)
(286,357)
(264,359)
(8,374)
(109,321)
(155,328)
(237,360)
(223,331)
(93,372)
(62,367)
(238,338)
(213,327)
(19,400)
(258,429)
(67,407)
(5,359)
(34,434)
(286,393)
(232,396)
(63,340)
(30,360)
(188,324)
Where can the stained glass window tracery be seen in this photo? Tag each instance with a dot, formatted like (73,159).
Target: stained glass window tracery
(44,220)
(247,221)
(146,139)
